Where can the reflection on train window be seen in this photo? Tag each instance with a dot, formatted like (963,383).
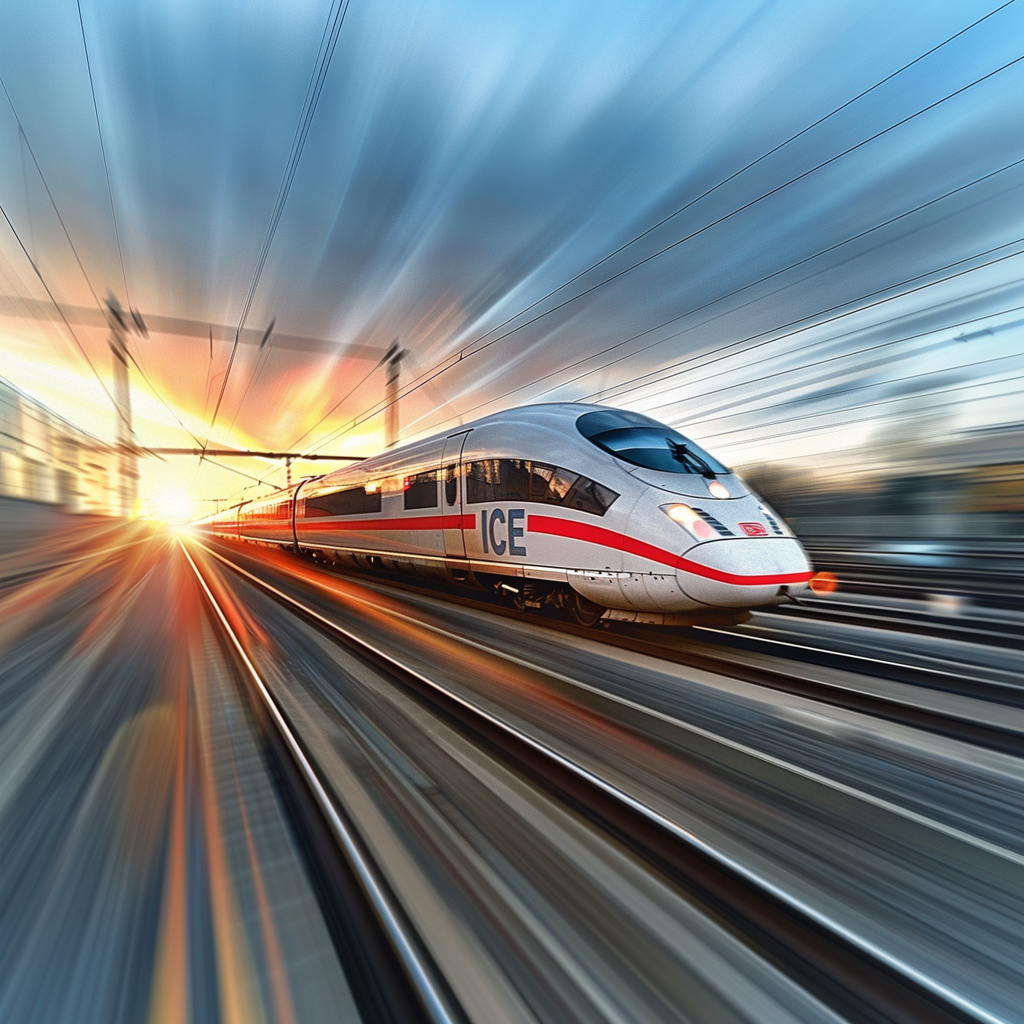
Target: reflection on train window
(421,490)
(549,483)
(645,442)
(498,480)
(351,502)
(589,496)
(522,480)
(451,485)
(282,510)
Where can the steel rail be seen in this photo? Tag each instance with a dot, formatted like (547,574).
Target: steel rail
(976,628)
(635,707)
(888,706)
(827,952)
(435,1001)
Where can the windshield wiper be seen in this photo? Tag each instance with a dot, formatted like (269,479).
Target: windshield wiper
(681,453)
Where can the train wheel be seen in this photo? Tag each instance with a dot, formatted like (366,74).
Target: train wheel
(584,612)
(530,595)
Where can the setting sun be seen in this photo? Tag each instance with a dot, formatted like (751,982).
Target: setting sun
(173,505)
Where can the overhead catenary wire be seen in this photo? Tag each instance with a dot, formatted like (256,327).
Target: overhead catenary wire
(729,410)
(103,153)
(466,349)
(463,354)
(431,373)
(713,302)
(49,194)
(853,388)
(238,472)
(809,322)
(337,405)
(325,53)
(24,181)
(78,259)
(769,337)
(261,362)
(875,405)
(67,324)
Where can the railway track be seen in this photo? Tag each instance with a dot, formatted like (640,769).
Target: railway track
(984,574)
(854,976)
(392,976)
(973,624)
(943,700)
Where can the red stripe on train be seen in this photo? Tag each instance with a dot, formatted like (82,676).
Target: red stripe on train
(621,542)
(467,522)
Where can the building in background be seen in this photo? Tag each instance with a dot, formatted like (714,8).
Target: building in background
(966,485)
(46,459)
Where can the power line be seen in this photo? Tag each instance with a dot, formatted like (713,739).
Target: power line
(864,387)
(325,53)
(49,194)
(772,336)
(712,302)
(78,259)
(841,356)
(337,405)
(103,153)
(748,205)
(732,310)
(746,167)
(465,353)
(634,384)
(465,350)
(56,306)
(261,362)
(731,177)
(238,472)
(877,404)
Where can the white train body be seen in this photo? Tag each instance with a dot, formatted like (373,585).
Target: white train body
(634,519)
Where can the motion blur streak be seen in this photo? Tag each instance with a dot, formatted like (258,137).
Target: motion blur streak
(148,868)
(859,755)
(859,789)
(282,782)
(465,170)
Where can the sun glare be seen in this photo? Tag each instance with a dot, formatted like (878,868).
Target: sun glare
(173,506)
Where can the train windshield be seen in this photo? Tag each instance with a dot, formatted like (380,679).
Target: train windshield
(645,442)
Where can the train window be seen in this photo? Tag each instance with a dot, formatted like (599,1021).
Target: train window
(645,442)
(451,484)
(549,483)
(498,480)
(351,502)
(589,496)
(521,480)
(421,490)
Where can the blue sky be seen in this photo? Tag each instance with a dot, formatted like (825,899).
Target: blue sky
(467,159)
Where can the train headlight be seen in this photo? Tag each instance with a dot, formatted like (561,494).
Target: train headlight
(717,489)
(690,521)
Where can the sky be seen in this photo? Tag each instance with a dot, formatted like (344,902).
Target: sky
(753,221)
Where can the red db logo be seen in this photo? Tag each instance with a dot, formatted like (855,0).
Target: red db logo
(754,529)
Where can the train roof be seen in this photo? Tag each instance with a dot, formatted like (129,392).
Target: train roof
(550,415)
(539,414)
(515,427)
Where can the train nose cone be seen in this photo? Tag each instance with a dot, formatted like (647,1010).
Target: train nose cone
(744,573)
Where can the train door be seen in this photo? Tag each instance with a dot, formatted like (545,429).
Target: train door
(452,498)
(238,518)
(295,509)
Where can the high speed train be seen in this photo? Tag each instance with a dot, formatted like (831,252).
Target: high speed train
(597,512)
